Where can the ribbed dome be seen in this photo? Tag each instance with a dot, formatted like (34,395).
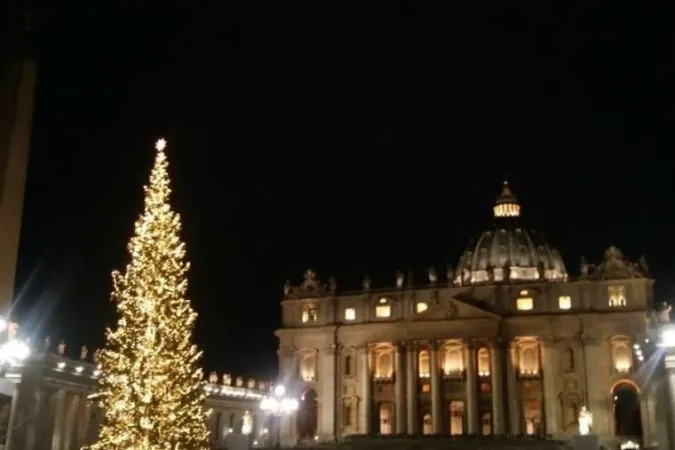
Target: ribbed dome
(509,252)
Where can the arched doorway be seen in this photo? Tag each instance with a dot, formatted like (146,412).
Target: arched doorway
(307,417)
(627,414)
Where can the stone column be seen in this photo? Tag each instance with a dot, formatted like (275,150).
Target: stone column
(412,387)
(436,393)
(366,379)
(59,416)
(471,391)
(497,377)
(13,440)
(669,360)
(327,388)
(400,389)
(515,411)
(596,392)
(551,374)
(644,417)
(288,374)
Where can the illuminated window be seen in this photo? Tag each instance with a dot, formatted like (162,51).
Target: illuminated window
(524,304)
(621,354)
(426,388)
(384,366)
(308,313)
(486,422)
(423,361)
(452,361)
(483,362)
(456,417)
(383,311)
(421,307)
(386,413)
(564,302)
(308,367)
(427,426)
(617,295)
(350,314)
(529,358)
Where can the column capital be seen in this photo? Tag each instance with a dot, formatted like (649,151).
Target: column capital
(498,342)
(589,338)
(332,349)
(366,348)
(550,341)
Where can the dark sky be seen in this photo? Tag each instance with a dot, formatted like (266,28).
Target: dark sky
(343,136)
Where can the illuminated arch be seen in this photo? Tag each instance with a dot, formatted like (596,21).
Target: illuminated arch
(628,381)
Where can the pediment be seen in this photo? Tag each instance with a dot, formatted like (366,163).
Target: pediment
(456,309)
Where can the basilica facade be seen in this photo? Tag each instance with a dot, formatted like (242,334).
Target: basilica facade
(509,342)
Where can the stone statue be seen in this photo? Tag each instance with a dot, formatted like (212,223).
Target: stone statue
(287,288)
(366,283)
(247,424)
(213,377)
(84,351)
(332,285)
(250,384)
(642,264)
(433,276)
(583,267)
(585,421)
(240,382)
(399,279)
(61,350)
(664,313)
(449,273)
(227,379)
(47,344)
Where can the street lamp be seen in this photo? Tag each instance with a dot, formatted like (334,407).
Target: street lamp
(277,406)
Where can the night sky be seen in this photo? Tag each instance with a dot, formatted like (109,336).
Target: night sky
(342,136)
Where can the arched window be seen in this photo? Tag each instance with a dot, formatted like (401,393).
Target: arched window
(385,418)
(427,426)
(483,362)
(308,367)
(424,370)
(529,360)
(622,359)
(453,361)
(384,367)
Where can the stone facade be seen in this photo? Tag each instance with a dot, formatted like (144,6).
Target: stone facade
(470,354)
(45,404)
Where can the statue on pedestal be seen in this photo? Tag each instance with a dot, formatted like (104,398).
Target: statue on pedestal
(247,423)
(585,421)
(664,313)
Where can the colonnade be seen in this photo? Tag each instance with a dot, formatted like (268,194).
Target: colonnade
(51,419)
(507,417)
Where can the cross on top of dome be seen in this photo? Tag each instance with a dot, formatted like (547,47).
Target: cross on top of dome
(507,204)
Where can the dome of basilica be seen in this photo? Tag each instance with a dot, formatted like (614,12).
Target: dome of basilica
(509,252)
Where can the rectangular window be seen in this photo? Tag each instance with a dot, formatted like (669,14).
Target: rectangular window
(308,314)
(617,295)
(564,302)
(426,388)
(420,307)
(350,314)
(383,311)
(525,304)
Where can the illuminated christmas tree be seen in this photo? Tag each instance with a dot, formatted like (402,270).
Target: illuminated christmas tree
(151,389)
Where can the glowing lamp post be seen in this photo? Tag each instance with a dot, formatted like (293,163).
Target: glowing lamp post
(277,406)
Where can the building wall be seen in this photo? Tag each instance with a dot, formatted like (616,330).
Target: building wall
(575,352)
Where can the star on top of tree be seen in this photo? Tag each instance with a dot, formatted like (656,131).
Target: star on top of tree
(161,144)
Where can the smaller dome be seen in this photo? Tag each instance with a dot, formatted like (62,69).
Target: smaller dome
(509,252)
